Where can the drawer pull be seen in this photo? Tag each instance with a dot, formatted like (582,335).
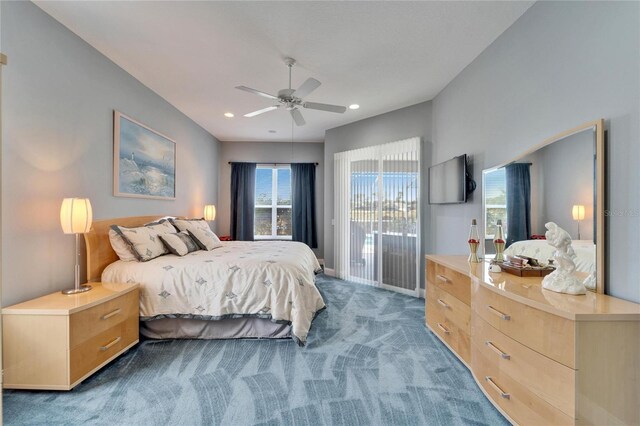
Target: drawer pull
(497,388)
(110,314)
(443,303)
(496,350)
(444,329)
(110,344)
(443,278)
(498,313)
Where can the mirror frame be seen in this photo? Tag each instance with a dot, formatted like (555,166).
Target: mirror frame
(600,182)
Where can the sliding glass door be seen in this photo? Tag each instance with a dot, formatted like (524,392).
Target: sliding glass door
(377,215)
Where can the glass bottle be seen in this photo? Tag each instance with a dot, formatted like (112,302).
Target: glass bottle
(498,242)
(474,242)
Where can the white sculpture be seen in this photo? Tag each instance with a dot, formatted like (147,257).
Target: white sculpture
(562,279)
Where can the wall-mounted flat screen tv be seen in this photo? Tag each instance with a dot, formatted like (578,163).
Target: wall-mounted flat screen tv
(448,181)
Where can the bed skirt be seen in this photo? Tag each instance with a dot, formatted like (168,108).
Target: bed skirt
(232,328)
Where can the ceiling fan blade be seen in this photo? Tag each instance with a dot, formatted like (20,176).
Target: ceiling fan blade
(297,117)
(307,87)
(325,107)
(257,92)
(261,111)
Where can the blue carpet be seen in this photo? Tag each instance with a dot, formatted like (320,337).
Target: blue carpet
(369,360)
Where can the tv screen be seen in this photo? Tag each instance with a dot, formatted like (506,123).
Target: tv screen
(447,181)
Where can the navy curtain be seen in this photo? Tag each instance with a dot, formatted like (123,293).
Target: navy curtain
(518,182)
(303,203)
(243,188)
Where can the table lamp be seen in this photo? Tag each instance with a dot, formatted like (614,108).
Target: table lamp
(209,212)
(578,215)
(76,217)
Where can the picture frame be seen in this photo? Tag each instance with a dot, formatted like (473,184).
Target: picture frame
(144,161)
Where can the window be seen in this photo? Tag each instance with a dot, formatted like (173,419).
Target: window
(495,202)
(272,217)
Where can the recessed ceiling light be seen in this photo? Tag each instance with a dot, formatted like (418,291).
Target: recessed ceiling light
(354,106)
(272,131)
(228,114)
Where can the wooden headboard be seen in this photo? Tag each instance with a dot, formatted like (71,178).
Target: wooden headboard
(99,251)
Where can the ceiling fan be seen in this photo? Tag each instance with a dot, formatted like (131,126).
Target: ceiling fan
(292,99)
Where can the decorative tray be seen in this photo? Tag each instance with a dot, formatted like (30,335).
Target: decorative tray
(525,271)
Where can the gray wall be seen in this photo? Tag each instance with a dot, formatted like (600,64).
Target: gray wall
(59,97)
(269,152)
(560,65)
(392,126)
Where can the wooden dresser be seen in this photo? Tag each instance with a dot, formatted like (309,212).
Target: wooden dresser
(541,357)
(56,341)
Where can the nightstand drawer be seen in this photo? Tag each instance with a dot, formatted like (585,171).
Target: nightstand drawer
(99,349)
(91,322)
(453,282)
(548,334)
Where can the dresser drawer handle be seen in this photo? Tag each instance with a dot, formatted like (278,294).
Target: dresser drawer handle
(498,313)
(443,278)
(443,303)
(497,388)
(110,314)
(444,329)
(110,344)
(496,350)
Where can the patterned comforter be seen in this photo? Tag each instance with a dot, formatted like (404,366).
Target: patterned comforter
(271,280)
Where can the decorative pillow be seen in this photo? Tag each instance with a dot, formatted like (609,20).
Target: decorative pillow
(200,232)
(144,240)
(180,243)
(121,247)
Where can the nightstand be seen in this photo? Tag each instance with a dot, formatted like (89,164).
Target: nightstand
(56,341)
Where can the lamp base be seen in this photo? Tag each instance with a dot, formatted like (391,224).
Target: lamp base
(80,289)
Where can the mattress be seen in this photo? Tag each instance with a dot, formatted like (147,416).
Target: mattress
(273,280)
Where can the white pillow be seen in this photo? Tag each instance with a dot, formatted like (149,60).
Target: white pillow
(199,230)
(121,247)
(144,241)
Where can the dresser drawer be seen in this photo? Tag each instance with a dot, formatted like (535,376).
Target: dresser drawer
(103,346)
(93,321)
(522,405)
(546,378)
(548,334)
(448,332)
(452,308)
(453,282)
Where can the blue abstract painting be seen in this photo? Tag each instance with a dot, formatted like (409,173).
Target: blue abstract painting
(144,161)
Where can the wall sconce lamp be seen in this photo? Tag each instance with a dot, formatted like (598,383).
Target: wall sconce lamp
(76,217)
(578,214)
(209,212)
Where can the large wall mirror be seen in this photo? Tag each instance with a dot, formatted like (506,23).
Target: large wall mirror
(562,181)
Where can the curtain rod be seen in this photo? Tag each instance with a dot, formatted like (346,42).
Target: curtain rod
(275,164)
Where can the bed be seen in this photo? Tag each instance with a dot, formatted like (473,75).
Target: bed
(239,290)
(540,249)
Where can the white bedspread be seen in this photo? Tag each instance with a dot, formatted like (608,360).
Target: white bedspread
(540,249)
(270,279)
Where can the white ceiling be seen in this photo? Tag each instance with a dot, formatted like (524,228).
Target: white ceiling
(381,55)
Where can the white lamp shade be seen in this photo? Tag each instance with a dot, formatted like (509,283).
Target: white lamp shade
(578,212)
(209,212)
(76,215)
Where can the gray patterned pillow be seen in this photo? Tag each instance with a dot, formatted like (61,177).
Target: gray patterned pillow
(180,243)
(144,240)
(200,232)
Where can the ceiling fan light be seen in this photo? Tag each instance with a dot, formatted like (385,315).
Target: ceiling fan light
(354,106)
